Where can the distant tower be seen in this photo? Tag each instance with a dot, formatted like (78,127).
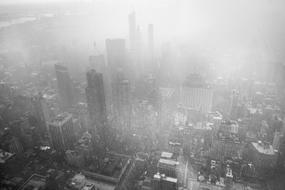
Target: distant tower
(64,85)
(150,38)
(116,53)
(61,132)
(234,104)
(121,97)
(117,62)
(138,40)
(97,62)
(95,97)
(132,30)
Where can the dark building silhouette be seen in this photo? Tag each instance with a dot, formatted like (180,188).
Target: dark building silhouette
(64,85)
(40,112)
(61,132)
(98,63)
(95,96)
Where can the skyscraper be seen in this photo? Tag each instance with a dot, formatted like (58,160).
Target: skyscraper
(121,103)
(95,97)
(41,112)
(117,63)
(132,30)
(61,132)
(116,54)
(97,62)
(64,86)
(150,38)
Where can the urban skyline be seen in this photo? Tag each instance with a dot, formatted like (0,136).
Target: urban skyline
(163,96)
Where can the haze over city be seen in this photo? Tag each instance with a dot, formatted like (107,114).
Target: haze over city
(142,94)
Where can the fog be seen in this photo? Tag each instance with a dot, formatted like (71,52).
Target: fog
(142,94)
(228,32)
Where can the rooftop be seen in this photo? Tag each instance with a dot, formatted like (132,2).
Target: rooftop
(4,156)
(166,155)
(61,118)
(268,150)
(168,162)
(112,168)
(170,179)
(159,176)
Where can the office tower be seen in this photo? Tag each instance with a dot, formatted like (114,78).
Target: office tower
(120,89)
(132,30)
(97,62)
(121,103)
(61,132)
(117,62)
(95,97)
(40,112)
(116,55)
(196,94)
(64,85)
(150,39)
(234,104)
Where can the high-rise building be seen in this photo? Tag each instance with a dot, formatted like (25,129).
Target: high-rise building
(120,90)
(150,38)
(98,63)
(95,96)
(121,103)
(234,104)
(61,132)
(196,94)
(116,54)
(64,85)
(132,30)
(41,112)
(117,63)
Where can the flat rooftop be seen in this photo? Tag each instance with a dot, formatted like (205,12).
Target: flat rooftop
(4,156)
(113,166)
(168,162)
(165,178)
(262,149)
(166,155)
(61,118)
